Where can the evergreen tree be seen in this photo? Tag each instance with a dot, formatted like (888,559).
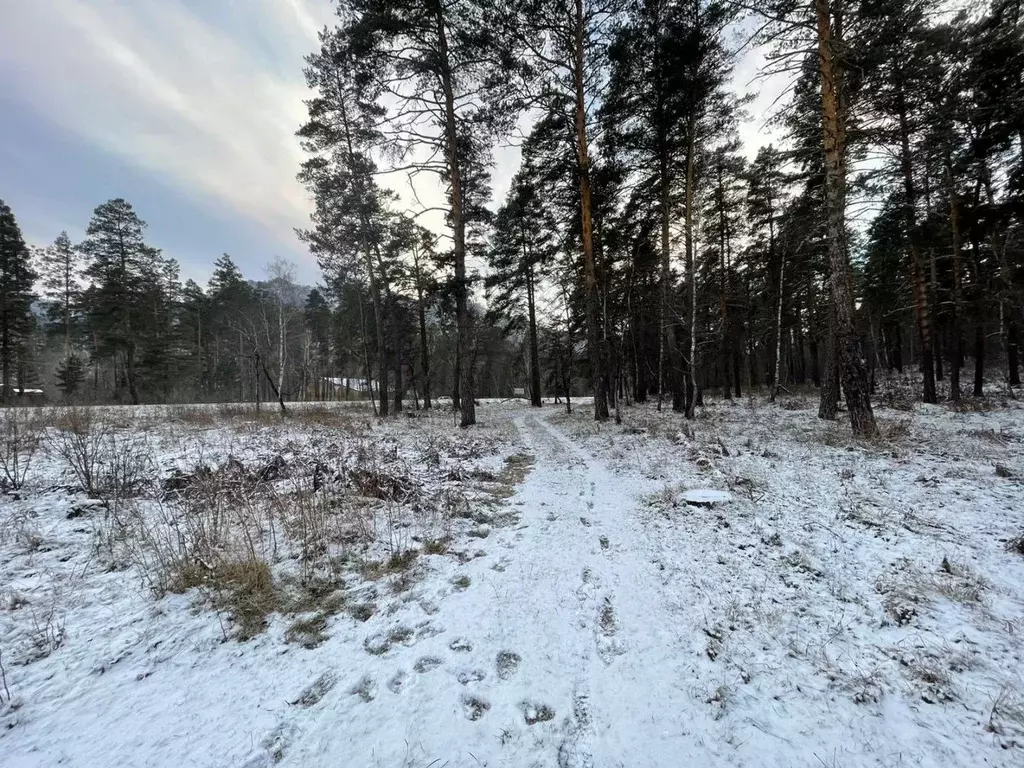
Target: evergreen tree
(16,296)
(229,296)
(70,375)
(350,208)
(59,269)
(123,269)
(521,245)
(446,73)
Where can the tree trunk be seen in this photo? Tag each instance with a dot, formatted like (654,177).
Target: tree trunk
(956,332)
(371,273)
(979,359)
(366,354)
(778,330)
(853,372)
(668,341)
(467,404)
(914,237)
(594,341)
(424,341)
(829,399)
(1012,352)
(723,288)
(535,394)
(691,270)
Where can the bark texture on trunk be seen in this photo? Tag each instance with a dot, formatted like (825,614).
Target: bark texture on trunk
(467,404)
(852,369)
(424,341)
(924,325)
(535,394)
(595,343)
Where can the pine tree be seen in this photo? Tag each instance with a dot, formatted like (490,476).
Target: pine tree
(350,207)
(522,244)
(446,73)
(567,42)
(70,375)
(123,268)
(16,296)
(59,269)
(765,202)
(229,296)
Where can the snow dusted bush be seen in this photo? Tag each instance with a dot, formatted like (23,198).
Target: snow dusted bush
(79,438)
(19,439)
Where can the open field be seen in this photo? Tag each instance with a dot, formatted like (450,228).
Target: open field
(199,585)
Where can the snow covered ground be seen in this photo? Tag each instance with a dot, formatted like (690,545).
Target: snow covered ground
(753,588)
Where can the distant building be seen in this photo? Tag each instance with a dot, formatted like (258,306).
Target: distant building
(344,385)
(21,395)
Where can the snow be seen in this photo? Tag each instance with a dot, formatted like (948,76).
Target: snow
(852,603)
(706,496)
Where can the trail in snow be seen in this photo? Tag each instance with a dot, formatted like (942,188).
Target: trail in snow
(576,603)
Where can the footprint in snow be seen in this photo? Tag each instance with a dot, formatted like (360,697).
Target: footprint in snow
(365,689)
(604,542)
(461,645)
(535,713)
(507,664)
(398,681)
(473,707)
(608,646)
(427,663)
(471,676)
(316,690)
(575,750)
(272,747)
(606,619)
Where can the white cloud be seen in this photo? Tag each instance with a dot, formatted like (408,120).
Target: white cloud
(201,108)
(211,109)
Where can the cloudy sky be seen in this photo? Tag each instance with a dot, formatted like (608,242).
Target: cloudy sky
(186,108)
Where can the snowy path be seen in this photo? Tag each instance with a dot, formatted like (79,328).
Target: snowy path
(568,629)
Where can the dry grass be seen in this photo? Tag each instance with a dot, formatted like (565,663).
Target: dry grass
(281,529)
(908,586)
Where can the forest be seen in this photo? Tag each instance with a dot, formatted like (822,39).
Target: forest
(636,418)
(641,251)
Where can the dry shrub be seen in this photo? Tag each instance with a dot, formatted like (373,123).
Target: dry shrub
(976,405)
(223,549)
(1016,544)
(79,439)
(908,587)
(194,415)
(1006,718)
(896,429)
(236,410)
(19,439)
(324,415)
(377,484)
(795,404)
(246,588)
(107,464)
(322,527)
(900,393)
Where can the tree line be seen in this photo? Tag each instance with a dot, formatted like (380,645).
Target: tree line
(641,251)
(109,320)
(638,248)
